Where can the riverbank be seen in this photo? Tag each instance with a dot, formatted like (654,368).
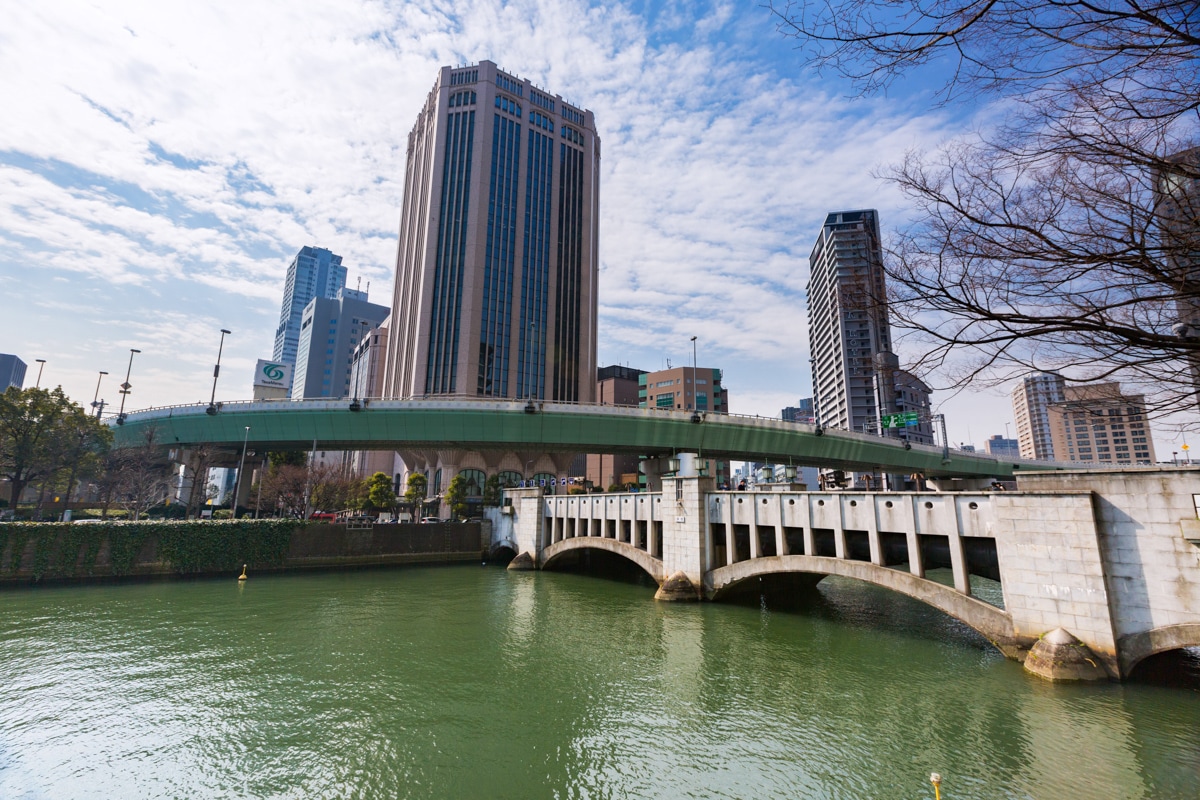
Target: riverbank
(33,554)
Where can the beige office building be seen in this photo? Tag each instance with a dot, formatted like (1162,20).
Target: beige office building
(1096,423)
(687,389)
(497,264)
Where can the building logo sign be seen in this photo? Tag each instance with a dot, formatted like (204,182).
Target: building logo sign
(273,374)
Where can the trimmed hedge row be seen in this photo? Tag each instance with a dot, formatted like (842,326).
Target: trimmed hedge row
(67,550)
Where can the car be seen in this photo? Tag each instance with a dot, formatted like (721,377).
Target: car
(431,519)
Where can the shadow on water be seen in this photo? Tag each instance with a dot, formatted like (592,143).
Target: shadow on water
(850,602)
(603,564)
(1174,669)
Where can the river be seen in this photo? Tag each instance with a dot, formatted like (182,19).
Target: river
(471,682)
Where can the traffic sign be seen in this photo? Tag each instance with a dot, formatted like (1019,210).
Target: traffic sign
(905,419)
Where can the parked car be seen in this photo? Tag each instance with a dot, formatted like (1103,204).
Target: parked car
(431,519)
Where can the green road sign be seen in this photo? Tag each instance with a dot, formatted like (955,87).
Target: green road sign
(907,419)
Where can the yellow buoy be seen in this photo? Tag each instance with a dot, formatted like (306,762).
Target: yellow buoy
(242,577)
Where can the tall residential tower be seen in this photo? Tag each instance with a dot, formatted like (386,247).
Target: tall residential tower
(1031,399)
(496,269)
(856,376)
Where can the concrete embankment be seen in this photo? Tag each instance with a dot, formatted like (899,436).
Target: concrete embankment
(34,554)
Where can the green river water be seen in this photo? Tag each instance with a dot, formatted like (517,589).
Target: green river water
(470,682)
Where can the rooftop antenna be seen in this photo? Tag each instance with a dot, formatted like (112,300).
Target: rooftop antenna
(358,286)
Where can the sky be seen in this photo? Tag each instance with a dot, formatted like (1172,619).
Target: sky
(161,163)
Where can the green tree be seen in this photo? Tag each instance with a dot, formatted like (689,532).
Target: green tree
(493,492)
(456,497)
(288,458)
(418,485)
(379,492)
(42,432)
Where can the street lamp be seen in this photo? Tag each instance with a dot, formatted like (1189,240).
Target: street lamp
(41,365)
(212,402)
(95,404)
(694,404)
(125,387)
(237,484)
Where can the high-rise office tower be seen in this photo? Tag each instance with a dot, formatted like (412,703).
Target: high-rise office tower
(330,333)
(496,268)
(314,272)
(1031,399)
(12,371)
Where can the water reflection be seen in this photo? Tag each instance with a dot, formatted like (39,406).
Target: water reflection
(470,682)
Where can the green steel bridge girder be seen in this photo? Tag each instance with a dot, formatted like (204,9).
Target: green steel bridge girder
(542,427)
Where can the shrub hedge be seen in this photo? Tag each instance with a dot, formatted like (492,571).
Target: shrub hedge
(66,550)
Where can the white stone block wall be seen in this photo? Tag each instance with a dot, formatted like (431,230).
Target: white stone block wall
(1153,572)
(1052,574)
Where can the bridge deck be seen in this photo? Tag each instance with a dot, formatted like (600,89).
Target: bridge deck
(558,427)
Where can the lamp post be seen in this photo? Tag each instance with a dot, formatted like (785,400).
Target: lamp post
(237,484)
(41,365)
(212,402)
(125,387)
(95,399)
(694,404)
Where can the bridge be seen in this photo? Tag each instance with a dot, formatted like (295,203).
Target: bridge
(471,424)
(1112,557)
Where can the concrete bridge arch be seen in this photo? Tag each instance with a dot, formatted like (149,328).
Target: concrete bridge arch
(649,564)
(1137,647)
(991,622)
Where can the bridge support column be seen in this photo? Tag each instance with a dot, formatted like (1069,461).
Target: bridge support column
(528,523)
(916,563)
(958,564)
(684,523)
(873,537)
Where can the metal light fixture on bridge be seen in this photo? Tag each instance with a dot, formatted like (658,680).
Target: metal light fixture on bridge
(212,403)
(672,465)
(126,387)
(96,404)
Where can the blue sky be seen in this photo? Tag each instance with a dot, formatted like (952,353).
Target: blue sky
(161,163)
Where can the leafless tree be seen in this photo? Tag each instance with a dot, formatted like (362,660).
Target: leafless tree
(1067,237)
(137,477)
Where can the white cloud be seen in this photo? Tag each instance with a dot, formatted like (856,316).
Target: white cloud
(168,160)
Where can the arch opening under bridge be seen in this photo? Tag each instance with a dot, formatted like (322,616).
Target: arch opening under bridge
(560,552)
(804,572)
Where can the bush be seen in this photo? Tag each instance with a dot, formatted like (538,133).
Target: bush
(67,550)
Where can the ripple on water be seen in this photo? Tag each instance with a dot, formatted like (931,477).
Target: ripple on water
(461,682)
